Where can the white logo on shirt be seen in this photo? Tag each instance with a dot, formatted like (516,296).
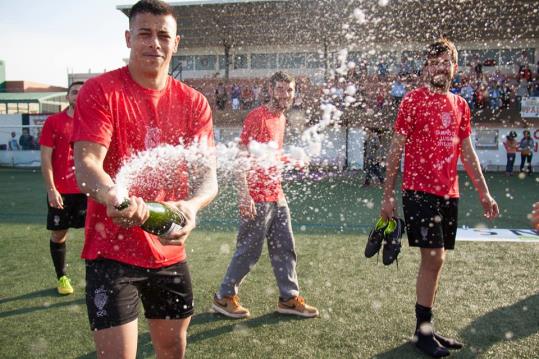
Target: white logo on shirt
(446,132)
(153,137)
(447,119)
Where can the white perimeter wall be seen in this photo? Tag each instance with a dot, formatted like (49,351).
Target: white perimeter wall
(333,147)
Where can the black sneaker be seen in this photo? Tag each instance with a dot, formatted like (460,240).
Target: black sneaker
(449,343)
(428,344)
(392,240)
(374,243)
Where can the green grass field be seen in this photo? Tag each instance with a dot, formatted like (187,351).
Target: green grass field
(489,297)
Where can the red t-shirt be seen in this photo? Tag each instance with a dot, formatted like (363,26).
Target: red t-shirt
(56,133)
(435,125)
(116,112)
(262,126)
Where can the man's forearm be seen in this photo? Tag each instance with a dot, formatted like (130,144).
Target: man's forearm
(46,168)
(91,177)
(94,182)
(473,169)
(242,188)
(391,177)
(48,176)
(243,165)
(472,166)
(205,186)
(393,166)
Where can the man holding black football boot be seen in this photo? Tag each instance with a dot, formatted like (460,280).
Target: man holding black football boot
(433,128)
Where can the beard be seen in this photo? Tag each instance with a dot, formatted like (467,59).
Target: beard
(281,104)
(441,80)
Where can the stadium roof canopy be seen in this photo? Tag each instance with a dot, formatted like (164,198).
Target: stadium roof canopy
(351,22)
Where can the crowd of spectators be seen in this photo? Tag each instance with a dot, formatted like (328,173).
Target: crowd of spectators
(482,89)
(246,94)
(238,96)
(480,83)
(497,90)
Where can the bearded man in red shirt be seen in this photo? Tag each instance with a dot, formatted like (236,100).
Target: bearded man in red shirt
(264,212)
(433,128)
(120,114)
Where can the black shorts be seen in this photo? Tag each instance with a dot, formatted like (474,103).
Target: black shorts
(113,290)
(72,215)
(431,221)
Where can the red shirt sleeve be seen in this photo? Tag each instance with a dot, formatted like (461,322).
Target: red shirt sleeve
(93,116)
(465,128)
(404,123)
(46,138)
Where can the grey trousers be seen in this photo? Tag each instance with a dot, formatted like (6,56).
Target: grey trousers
(273,223)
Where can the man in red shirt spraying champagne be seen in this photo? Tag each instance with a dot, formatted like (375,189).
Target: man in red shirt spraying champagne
(123,113)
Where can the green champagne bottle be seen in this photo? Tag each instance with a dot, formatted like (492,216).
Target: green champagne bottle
(163,220)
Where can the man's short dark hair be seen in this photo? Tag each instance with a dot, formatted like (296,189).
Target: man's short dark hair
(281,76)
(440,47)
(154,7)
(76,83)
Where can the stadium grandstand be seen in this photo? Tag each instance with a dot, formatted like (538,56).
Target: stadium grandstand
(229,47)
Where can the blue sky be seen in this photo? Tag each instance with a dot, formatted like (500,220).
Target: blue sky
(41,41)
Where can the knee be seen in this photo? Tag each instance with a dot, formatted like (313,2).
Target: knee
(174,347)
(183,337)
(249,252)
(173,350)
(58,236)
(433,261)
(282,246)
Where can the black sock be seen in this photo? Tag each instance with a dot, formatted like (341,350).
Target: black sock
(58,255)
(422,314)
